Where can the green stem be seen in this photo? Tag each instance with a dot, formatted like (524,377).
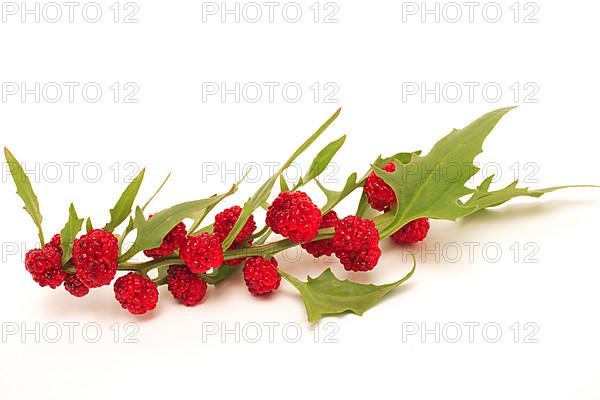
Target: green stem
(261,250)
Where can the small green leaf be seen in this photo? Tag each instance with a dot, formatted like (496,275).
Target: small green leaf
(283,186)
(151,232)
(220,274)
(130,226)
(335,197)
(327,295)
(322,160)
(122,208)
(25,191)
(482,198)
(69,232)
(262,194)
(88,224)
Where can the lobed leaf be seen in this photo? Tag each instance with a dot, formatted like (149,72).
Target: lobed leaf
(327,295)
(483,198)
(25,191)
(431,185)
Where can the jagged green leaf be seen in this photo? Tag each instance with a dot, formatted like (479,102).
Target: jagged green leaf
(123,207)
(483,198)
(431,185)
(327,295)
(25,191)
(69,232)
(262,194)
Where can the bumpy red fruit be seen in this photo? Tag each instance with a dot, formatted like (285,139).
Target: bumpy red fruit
(413,232)
(323,247)
(379,194)
(186,286)
(226,219)
(170,243)
(55,244)
(202,252)
(356,242)
(261,275)
(95,258)
(74,286)
(294,216)
(135,293)
(45,266)
(362,260)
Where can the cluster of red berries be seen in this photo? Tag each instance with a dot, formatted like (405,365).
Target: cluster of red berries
(294,215)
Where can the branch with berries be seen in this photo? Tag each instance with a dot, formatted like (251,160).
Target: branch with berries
(400,193)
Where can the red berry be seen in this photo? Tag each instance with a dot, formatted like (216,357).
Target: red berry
(323,247)
(170,243)
(202,252)
(360,260)
(355,233)
(55,244)
(379,194)
(294,216)
(413,232)
(261,275)
(95,258)
(226,219)
(186,286)
(45,266)
(135,293)
(356,242)
(224,223)
(74,286)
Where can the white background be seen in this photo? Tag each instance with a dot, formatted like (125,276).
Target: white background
(372,54)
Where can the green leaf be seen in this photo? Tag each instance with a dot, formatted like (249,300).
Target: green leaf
(431,185)
(482,198)
(150,233)
(334,197)
(327,295)
(283,186)
(130,225)
(322,160)
(123,207)
(88,224)
(156,192)
(220,274)
(262,194)
(25,191)
(69,232)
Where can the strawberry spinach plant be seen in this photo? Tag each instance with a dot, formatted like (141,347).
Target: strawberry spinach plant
(400,193)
